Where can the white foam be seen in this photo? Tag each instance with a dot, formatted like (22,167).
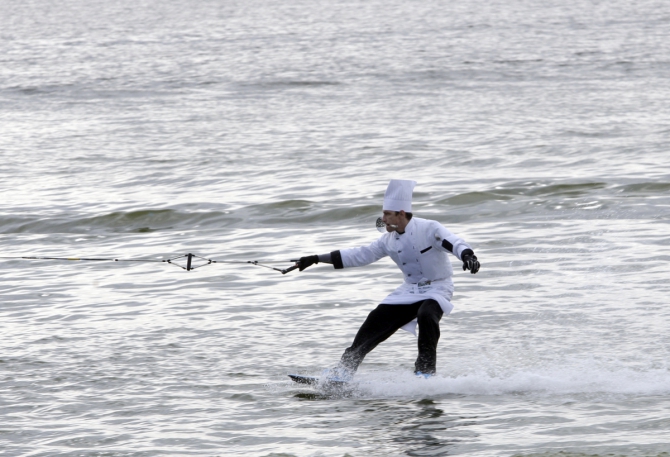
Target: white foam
(547,381)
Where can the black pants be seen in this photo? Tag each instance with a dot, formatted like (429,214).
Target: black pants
(385,320)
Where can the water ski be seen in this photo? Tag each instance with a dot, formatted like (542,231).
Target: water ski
(315,380)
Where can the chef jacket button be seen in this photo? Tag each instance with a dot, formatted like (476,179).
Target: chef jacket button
(409,274)
(404,263)
(399,251)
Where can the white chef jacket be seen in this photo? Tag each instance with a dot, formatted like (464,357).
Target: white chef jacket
(421,256)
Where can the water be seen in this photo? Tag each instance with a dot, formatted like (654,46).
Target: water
(263,130)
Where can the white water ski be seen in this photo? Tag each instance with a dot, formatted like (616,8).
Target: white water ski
(315,381)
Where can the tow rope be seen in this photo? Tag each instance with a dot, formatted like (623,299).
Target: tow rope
(192,261)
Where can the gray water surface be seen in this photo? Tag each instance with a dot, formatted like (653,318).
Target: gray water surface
(262,130)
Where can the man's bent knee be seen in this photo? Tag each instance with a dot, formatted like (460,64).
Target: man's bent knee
(430,310)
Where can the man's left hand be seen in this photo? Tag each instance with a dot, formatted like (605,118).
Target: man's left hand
(471,263)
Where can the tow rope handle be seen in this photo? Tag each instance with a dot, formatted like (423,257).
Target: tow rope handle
(289,269)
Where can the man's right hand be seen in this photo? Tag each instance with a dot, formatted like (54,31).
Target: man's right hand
(307,261)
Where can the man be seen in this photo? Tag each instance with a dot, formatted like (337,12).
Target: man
(419,247)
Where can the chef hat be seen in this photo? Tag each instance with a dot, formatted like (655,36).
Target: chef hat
(398,196)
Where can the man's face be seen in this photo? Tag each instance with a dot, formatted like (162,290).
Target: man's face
(390,218)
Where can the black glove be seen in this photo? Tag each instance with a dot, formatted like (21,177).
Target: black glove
(307,261)
(470,262)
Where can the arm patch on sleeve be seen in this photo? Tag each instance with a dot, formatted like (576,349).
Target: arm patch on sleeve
(448,246)
(337,260)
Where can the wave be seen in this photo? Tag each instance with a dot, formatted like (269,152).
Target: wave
(147,221)
(552,192)
(290,84)
(140,221)
(644,188)
(570,380)
(586,199)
